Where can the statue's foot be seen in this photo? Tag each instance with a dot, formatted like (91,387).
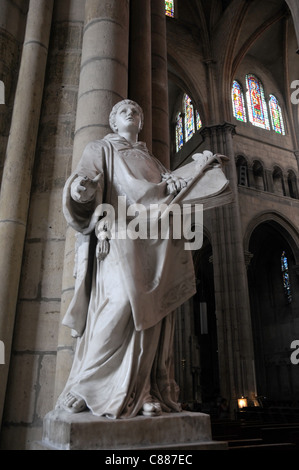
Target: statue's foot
(152,409)
(73,404)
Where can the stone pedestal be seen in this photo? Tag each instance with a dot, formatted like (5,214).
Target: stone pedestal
(170,431)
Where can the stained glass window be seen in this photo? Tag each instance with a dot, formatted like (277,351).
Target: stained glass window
(169,8)
(188,121)
(189,118)
(276,115)
(238,102)
(257,108)
(179,132)
(286,276)
(198,120)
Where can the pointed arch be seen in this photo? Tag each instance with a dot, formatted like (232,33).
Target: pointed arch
(284,225)
(273,286)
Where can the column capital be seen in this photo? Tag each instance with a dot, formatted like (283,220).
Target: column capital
(225,126)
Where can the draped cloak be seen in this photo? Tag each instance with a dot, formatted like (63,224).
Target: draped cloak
(122,308)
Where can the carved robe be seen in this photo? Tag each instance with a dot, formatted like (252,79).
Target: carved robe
(122,309)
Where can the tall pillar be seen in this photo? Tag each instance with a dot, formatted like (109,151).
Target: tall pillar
(160,84)
(103,82)
(17,175)
(140,63)
(104,69)
(235,344)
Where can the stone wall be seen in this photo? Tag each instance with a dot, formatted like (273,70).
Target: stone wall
(31,381)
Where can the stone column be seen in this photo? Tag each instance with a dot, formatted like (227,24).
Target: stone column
(235,343)
(17,175)
(160,83)
(140,63)
(103,82)
(104,69)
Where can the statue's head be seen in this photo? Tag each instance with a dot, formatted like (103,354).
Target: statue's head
(115,109)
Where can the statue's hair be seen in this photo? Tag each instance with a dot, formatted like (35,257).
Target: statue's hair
(117,106)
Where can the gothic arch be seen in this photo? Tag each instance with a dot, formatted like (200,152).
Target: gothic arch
(281,223)
(273,291)
(180,82)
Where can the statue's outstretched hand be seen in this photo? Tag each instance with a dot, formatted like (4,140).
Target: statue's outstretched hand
(174,183)
(83,188)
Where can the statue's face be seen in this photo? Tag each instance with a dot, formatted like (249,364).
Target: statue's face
(128,118)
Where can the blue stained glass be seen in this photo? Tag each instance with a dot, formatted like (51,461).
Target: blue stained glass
(188,121)
(286,276)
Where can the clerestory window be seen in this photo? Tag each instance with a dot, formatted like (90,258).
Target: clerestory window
(188,122)
(254,108)
(169,8)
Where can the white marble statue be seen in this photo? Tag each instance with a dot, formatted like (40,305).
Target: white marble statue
(127,287)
